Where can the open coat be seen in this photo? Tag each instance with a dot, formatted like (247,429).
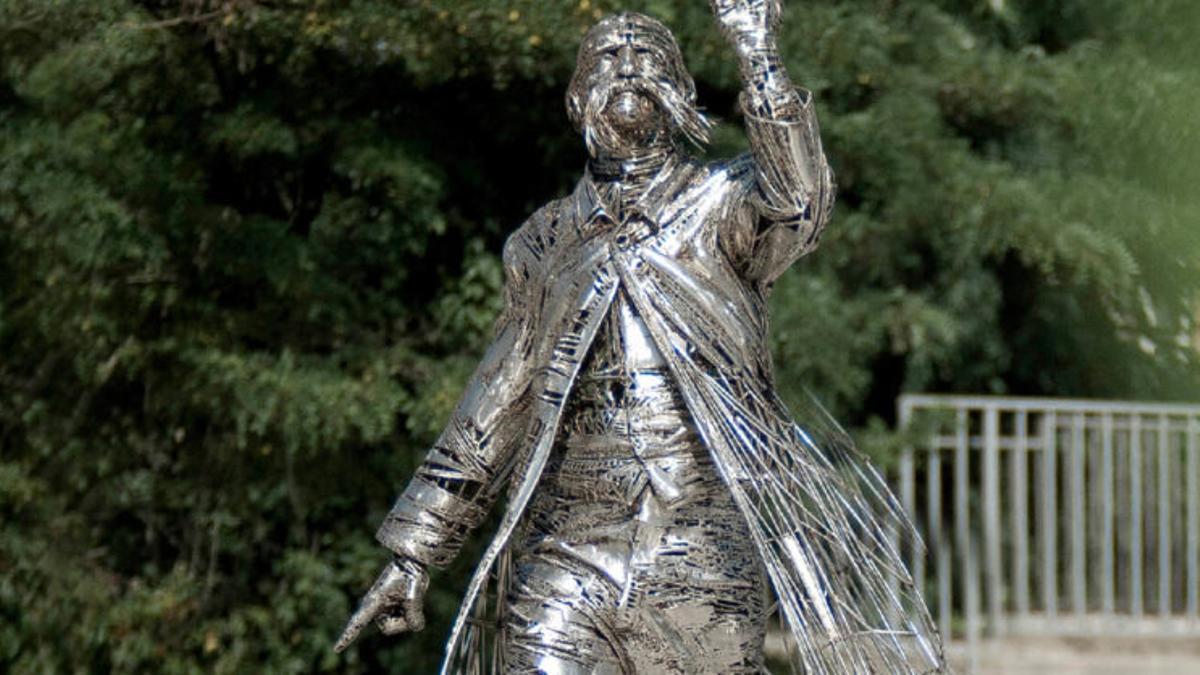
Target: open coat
(698,263)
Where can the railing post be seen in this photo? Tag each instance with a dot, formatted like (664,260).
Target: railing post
(972,608)
(1193,518)
(938,542)
(991,515)
(908,496)
(945,561)
(1048,505)
(1078,519)
(1135,515)
(1020,520)
(1107,559)
(1164,517)
(962,518)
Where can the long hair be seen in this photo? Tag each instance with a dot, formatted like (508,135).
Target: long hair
(673,88)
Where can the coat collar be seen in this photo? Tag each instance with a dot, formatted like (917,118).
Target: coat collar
(592,217)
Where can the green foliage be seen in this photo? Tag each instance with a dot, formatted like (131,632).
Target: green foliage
(248,257)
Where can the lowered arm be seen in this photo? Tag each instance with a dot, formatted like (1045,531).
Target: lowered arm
(456,485)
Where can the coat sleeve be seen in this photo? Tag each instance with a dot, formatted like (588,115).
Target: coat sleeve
(793,191)
(455,487)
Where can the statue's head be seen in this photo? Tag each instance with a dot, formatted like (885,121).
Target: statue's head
(631,88)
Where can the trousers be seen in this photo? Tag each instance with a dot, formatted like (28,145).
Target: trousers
(633,557)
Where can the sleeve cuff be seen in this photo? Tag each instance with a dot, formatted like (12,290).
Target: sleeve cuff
(429,523)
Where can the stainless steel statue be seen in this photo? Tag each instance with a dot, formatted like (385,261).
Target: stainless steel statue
(662,503)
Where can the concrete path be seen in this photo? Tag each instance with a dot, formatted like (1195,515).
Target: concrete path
(1080,656)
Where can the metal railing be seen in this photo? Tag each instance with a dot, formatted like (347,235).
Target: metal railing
(1053,515)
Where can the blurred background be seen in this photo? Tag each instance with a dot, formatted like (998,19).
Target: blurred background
(249,255)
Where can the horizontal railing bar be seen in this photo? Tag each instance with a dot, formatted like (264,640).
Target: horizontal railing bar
(1094,625)
(1093,421)
(1022,403)
(946,443)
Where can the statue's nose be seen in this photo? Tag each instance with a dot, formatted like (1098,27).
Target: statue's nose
(627,61)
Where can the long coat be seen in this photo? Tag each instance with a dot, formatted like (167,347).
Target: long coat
(698,262)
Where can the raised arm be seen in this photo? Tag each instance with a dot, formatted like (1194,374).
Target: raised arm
(794,185)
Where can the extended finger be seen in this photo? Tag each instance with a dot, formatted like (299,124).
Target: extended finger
(357,622)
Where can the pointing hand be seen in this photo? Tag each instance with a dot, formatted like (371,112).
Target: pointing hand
(395,602)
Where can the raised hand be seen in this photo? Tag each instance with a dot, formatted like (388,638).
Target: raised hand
(395,602)
(748,22)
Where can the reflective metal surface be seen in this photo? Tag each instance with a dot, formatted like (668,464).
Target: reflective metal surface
(657,486)
(632,557)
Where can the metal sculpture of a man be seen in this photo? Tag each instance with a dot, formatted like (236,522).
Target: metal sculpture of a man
(662,503)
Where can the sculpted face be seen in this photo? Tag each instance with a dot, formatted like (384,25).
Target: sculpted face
(630,89)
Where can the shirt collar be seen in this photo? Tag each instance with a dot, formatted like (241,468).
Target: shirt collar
(590,209)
